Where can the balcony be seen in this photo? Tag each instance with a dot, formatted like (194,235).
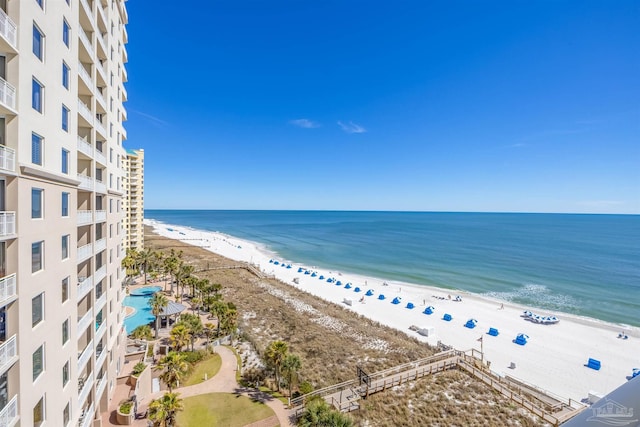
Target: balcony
(100,187)
(7,97)
(87,42)
(99,334)
(85,76)
(101,216)
(84,387)
(101,302)
(100,245)
(85,147)
(7,224)
(101,14)
(8,354)
(8,289)
(101,100)
(100,158)
(84,218)
(102,382)
(85,252)
(86,417)
(84,287)
(85,112)
(8,35)
(86,182)
(101,71)
(9,414)
(101,273)
(7,158)
(84,357)
(100,128)
(85,321)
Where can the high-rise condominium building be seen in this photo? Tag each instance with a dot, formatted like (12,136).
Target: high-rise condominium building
(134,200)
(61,238)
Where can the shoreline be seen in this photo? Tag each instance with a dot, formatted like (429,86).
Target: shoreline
(553,359)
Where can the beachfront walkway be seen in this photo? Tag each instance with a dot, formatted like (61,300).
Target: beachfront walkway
(223,382)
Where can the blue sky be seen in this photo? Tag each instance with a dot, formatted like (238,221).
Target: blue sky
(407,105)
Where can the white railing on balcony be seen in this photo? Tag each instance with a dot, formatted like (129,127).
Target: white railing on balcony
(84,252)
(100,187)
(101,13)
(86,417)
(7,223)
(8,29)
(100,128)
(101,100)
(9,414)
(100,157)
(85,321)
(101,302)
(102,382)
(99,334)
(87,41)
(86,182)
(85,147)
(8,354)
(85,111)
(85,356)
(7,157)
(85,75)
(101,71)
(101,42)
(84,217)
(100,245)
(7,94)
(100,273)
(84,392)
(84,287)
(101,215)
(8,288)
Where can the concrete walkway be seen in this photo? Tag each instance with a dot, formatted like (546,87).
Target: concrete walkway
(223,382)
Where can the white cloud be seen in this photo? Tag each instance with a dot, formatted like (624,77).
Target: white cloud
(305,123)
(351,127)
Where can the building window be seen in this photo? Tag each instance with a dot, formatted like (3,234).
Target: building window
(65,289)
(65,161)
(66,30)
(38,413)
(65,246)
(36,256)
(37,309)
(65,204)
(40,3)
(38,42)
(36,202)
(65,75)
(36,149)
(65,331)
(38,362)
(65,411)
(37,93)
(65,118)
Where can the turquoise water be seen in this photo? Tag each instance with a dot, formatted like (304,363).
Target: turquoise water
(583,264)
(140,302)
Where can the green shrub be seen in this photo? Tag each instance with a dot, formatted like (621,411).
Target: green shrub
(194,357)
(305,387)
(138,368)
(125,408)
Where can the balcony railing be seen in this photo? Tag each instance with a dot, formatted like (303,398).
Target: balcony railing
(8,288)
(7,94)
(88,45)
(100,187)
(100,273)
(100,245)
(84,391)
(102,382)
(101,100)
(100,128)
(100,157)
(7,158)
(7,223)
(85,75)
(86,182)
(84,287)
(84,217)
(101,13)
(101,215)
(85,321)
(84,252)
(99,334)
(8,30)
(8,354)
(9,414)
(84,357)
(85,147)
(86,417)
(85,111)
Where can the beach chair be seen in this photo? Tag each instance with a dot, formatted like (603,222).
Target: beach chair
(369,293)
(410,305)
(493,332)
(447,317)
(593,364)
(381,297)
(428,310)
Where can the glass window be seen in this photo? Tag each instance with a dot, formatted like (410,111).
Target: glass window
(65,204)
(65,247)
(65,333)
(38,413)
(36,256)
(38,362)
(40,3)
(65,75)
(65,161)
(65,289)
(65,411)
(66,30)
(36,149)
(37,92)
(36,202)
(37,309)
(65,119)
(38,42)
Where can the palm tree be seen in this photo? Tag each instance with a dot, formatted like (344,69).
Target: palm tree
(218,309)
(163,411)
(158,303)
(290,367)
(275,354)
(318,413)
(175,367)
(193,325)
(142,332)
(145,258)
(130,262)
(170,265)
(229,320)
(180,336)
(208,331)
(183,272)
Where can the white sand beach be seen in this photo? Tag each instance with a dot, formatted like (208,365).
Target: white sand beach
(553,359)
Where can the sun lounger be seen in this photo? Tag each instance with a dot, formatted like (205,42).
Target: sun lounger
(347,301)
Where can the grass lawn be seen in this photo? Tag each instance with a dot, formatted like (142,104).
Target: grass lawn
(221,409)
(209,366)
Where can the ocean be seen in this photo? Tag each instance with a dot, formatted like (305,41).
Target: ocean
(587,265)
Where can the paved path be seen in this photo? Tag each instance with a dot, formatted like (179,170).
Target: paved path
(224,382)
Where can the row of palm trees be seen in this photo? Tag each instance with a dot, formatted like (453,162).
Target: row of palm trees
(163,411)
(283,363)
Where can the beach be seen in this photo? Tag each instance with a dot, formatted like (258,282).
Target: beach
(553,358)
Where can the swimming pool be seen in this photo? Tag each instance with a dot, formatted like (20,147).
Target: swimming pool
(139,300)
